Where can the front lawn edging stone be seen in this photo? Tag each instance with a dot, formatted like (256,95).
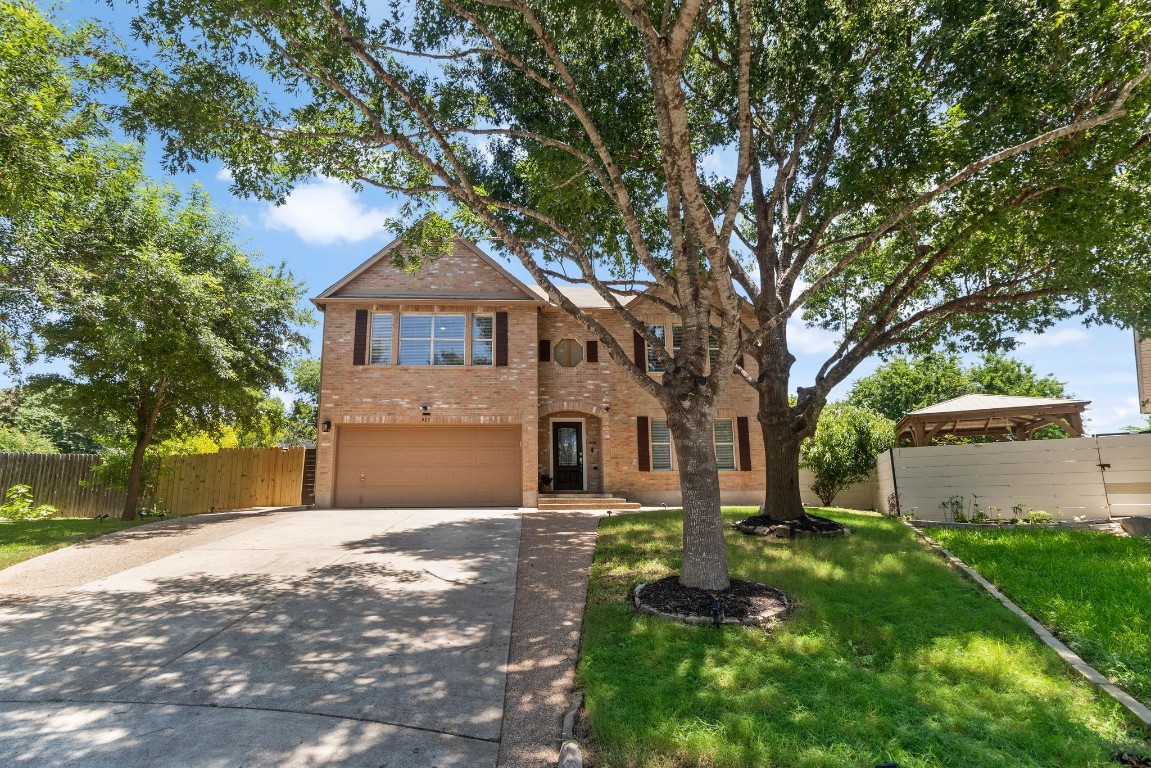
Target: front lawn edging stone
(1141,712)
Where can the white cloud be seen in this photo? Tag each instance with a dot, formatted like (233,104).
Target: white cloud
(808,340)
(224,175)
(325,212)
(1061,337)
(1113,415)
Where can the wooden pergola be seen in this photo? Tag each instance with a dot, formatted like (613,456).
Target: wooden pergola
(1003,417)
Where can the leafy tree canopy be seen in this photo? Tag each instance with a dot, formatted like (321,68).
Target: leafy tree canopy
(905,384)
(31,412)
(177,331)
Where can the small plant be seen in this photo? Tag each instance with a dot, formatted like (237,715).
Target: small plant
(980,516)
(1019,511)
(955,506)
(18,505)
(1038,517)
(154,511)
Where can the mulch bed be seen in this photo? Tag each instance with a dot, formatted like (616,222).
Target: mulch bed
(807,526)
(744,602)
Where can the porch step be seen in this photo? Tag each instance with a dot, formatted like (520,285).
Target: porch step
(573,501)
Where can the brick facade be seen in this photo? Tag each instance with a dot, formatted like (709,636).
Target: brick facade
(526,391)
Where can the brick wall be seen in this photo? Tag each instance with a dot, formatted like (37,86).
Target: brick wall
(617,401)
(393,394)
(464,273)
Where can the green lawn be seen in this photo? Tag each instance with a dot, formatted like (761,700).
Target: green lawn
(1092,589)
(24,539)
(889,656)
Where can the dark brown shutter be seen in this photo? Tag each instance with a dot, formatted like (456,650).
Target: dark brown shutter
(639,351)
(593,351)
(744,444)
(545,351)
(641,439)
(501,338)
(360,345)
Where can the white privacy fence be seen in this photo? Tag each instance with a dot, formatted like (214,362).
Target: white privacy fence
(1092,478)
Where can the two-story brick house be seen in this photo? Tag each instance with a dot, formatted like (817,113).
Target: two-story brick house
(459,385)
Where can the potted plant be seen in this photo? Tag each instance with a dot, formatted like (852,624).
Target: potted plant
(545,482)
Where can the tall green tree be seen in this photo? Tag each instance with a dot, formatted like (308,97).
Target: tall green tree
(905,384)
(48,123)
(178,331)
(304,411)
(27,411)
(900,173)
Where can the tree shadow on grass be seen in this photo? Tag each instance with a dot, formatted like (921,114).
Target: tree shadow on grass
(889,656)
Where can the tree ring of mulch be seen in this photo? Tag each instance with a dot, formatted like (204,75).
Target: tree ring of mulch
(806,527)
(744,602)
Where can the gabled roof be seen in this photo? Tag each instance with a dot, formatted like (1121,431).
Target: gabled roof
(974,403)
(583,296)
(991,415)
(526,292)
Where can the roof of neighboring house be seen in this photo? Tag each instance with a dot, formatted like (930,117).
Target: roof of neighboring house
(991,415)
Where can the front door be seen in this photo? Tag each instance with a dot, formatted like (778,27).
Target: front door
(567,453)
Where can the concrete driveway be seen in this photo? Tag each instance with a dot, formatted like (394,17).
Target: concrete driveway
(366,637)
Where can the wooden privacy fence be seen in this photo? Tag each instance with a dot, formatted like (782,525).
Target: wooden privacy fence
(1090,477)
(55,478)
(231,479)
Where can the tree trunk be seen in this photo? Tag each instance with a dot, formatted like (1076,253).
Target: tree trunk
(782,501)
(135,475)
(704,552)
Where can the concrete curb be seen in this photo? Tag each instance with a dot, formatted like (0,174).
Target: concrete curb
(570,755)
(1094,676)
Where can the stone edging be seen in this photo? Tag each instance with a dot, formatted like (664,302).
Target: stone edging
(570,755)
(751,621)
(786,532)
(1003,526)
(1096,678)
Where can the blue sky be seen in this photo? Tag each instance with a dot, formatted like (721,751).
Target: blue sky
(325,229)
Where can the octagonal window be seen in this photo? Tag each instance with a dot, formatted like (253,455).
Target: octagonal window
(568,353)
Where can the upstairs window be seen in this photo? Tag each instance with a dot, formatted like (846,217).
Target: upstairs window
(653,363)
(568,353)
(380,352)
(712,344)
(483,332)
(432,339)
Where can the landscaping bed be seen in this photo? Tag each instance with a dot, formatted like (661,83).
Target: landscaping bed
(24,539)
(887,656)
(1093,590)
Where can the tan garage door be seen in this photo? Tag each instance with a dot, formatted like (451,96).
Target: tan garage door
(428,466)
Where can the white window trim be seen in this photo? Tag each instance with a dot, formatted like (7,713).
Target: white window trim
(469,342)
(398,339)
(392,339)
(671,445)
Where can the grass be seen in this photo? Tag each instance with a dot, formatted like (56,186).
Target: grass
(889,656)
(25,539)
(1092,589)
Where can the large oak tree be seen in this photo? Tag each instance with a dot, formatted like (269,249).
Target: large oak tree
(900,172)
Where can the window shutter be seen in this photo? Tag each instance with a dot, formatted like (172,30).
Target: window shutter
(501,338)
(360,344)
(545,351)
(642,441)
(593,351)
(744,444)
(640,352)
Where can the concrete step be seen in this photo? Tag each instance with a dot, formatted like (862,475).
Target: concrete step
(590,503)
(576,495)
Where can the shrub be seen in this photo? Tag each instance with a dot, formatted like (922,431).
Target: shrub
(18,505)
(843,450)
